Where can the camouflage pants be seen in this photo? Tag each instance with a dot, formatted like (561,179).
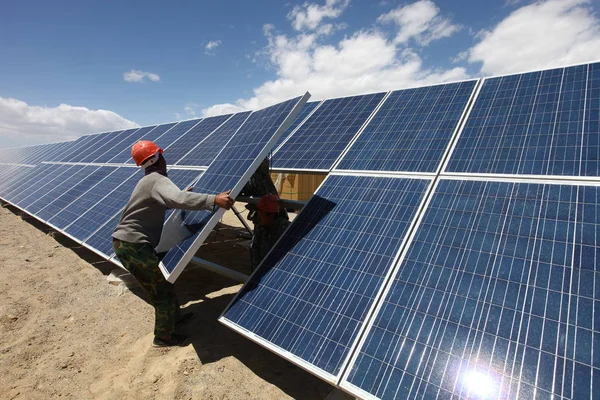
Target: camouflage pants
(142,262)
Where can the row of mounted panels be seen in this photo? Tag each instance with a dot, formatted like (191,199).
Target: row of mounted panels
(476,276)
(85,201)
(414,287)
(538,123)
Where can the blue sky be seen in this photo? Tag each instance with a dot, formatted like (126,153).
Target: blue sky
(70,68)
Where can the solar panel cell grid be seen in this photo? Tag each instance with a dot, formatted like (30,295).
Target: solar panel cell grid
(97,225)
(591,137)
(86,226)
(306,110)
(205,152)
(411,130)
(71,178)
(40,181)
(169,137)
(312,293)
(124,155)
(231,169)
(488,300)
(323,137)
(113,178)
(62,196)
(176,150)
(528,124)
(89,146)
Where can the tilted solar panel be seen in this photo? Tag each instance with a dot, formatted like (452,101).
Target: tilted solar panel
(105,147)
(411,130)
(527,124)
(205,152)
(590,159)
(495,298)
(72,148)
(124,155)
(175,133)
(17,181)
(176,150)
(312,294)
(61,196)
(71,178)
(305,112)
(98,224)
(230,170)
(321,139)
(123,142)
(88,227)
(89,147)
(113,178)
(41,179)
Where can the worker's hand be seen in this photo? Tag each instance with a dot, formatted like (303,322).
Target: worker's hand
(223,200)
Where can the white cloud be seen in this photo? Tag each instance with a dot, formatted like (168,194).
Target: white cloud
(419,21)
(25,124)
(220,109)
(309,16)
(364,62)
(211,46)
(539,36)
(135,75)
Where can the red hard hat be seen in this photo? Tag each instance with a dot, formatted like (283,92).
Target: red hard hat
(269,203)
(144,149)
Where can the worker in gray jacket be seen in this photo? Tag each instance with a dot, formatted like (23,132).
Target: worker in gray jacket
(138,233)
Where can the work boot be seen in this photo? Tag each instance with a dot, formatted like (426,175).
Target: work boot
(174,340)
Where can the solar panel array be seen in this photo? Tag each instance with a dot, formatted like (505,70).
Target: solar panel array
(451,252)
(489,287)
(80,187)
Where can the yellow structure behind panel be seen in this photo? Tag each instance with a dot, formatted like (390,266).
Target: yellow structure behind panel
(296,186)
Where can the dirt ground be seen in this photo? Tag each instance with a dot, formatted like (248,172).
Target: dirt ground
(66,332)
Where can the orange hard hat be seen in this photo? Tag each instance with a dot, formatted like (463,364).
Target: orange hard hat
(143,150)
(268,203)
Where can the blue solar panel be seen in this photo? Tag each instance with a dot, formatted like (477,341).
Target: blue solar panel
(113,178)
(62,196)
(306,110)
(87,226)
(205,153)
(45,152)
(320,140)
(9,173)
(312,293)
(19,181)
(176,150)
(39,180)
(35,203)
(72,149)
(530,124)
(90,146)
(411,130)
(124,155)
(107,145)
(495,298)
(232,167)
(98,224)
(123,142)
(175,133)
(591,134)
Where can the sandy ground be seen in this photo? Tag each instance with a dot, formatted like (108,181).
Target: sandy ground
(66,332)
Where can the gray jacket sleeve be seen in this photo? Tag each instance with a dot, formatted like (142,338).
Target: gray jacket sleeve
(168,194)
